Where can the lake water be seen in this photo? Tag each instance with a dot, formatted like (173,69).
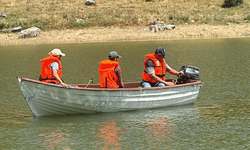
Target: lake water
(219,119)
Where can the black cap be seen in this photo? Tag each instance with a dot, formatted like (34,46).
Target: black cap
(161,50)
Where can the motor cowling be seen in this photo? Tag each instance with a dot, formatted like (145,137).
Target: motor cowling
(190,73)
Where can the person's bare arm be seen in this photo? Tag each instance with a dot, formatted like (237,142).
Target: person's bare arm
(174,72)
(157,79)
(58,78)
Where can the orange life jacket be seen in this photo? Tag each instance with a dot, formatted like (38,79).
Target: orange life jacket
(46,70)
(160,68)
(107,74)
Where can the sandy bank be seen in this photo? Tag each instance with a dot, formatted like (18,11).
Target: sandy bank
(129,34)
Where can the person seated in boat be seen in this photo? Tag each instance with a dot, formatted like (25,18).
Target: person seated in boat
(51,69)
(110,72)
(155,69)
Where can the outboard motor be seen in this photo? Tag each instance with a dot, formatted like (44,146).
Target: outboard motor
(190,73)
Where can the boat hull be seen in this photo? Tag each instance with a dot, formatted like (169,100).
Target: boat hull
(45,99)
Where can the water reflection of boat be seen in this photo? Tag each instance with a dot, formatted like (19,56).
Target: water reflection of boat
(148,129)
(46,99)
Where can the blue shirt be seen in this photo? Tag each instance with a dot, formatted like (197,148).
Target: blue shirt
(54,65)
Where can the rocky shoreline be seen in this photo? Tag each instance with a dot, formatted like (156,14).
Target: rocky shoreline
(117,34)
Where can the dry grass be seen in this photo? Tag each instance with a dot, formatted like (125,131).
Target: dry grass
(62,14)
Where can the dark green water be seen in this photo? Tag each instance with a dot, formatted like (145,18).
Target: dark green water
(220,118)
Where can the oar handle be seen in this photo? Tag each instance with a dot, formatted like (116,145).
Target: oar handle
(89,82)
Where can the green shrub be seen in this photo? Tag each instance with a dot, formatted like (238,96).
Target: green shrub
(170,16)
(232,3)
(185,17)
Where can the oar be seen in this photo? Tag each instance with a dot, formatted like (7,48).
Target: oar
(92,80)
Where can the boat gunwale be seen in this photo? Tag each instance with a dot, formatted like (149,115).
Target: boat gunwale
(197,82)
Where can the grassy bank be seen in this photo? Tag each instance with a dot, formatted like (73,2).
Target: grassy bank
(62,14)
(121,20)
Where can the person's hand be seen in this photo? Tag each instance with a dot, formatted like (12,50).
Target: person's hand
(169,83)
(64,85)
(181,73)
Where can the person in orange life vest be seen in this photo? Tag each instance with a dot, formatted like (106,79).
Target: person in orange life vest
(51,69)
(110,72)
(155,69)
